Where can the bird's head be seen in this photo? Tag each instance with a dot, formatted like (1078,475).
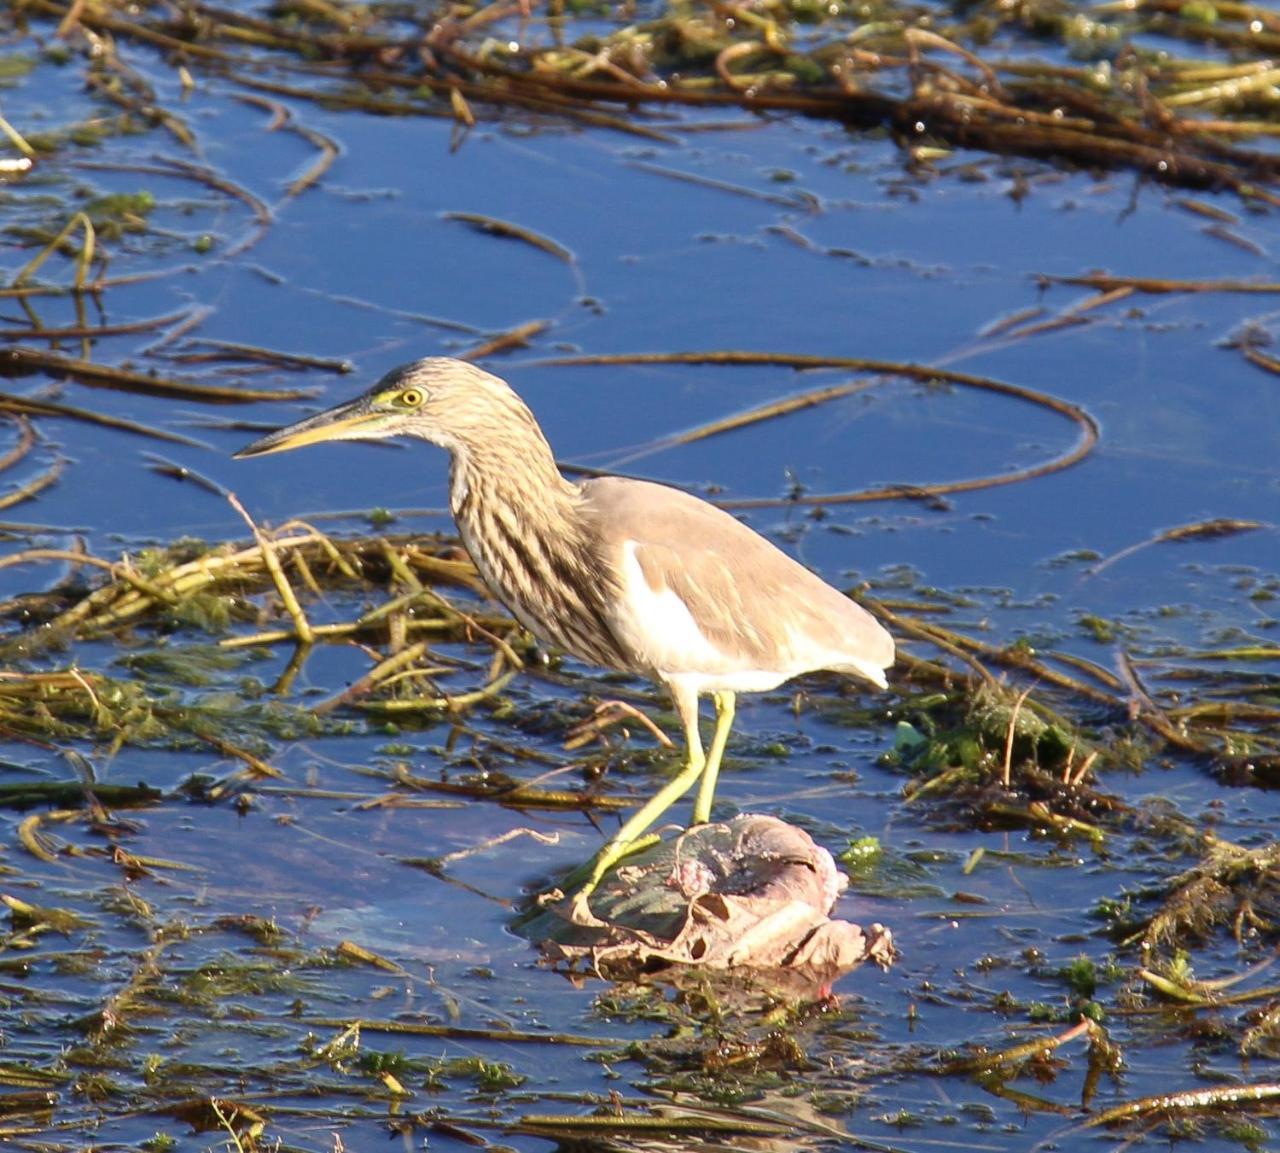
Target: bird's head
(449,402)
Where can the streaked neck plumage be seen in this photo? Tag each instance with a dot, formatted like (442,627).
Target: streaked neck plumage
(515,478)
(523,524)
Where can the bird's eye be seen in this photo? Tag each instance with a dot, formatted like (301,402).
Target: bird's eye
(412,398)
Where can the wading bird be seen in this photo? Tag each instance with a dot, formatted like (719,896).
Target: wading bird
(622,573)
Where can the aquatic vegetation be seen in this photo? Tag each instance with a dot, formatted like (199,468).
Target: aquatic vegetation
(200,736)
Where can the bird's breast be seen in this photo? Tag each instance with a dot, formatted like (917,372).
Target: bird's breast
(548,581)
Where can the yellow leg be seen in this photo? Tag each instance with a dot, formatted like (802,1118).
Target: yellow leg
(624,840)
(707,790)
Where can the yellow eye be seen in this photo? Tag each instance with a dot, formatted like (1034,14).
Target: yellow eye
(412,398)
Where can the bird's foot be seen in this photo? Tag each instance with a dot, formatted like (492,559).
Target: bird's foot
(579,911)
(598,867)
(576,907)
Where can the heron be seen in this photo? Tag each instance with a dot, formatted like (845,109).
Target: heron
(622,573)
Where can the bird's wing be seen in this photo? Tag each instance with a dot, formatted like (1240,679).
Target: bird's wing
(704,590)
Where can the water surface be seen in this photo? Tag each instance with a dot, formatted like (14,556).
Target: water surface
(802,238)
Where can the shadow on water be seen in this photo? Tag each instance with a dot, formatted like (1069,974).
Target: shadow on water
(814,264)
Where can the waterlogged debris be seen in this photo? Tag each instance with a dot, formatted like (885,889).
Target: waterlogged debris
(39,844)
(670,1128)
(796,200)
(393,1085)
(770,411)
(14,66)
(31,919)
(283,118)
(26,361)
(1212,529)
(1169,1106)
(973,860)
(30,489)
(1029,766)
(1217,529)
(1176,988)
(241,1122)
(862,854)
(30,406)
(753,896)
(934,89)
(25,1076)
(607,714)
(199,582)
(1087,427)
(1231,885)
(33,1104)
(1000,758)
(124,210)
(1036,1050)
(510,792)
(200,351)
(494,227)
(351,1029)
(1218,232)
(1158,286)
(60,794)
(353,952)
(281,582)
(518,337)
(1262,1038)
(83,258)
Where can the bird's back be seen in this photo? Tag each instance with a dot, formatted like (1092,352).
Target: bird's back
(707,598)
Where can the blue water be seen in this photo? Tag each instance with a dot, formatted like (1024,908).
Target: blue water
(826,248)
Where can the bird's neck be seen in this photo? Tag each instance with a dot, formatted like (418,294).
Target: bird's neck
(528,530)
(522,489)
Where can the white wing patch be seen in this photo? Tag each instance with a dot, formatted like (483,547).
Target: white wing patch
(657,625)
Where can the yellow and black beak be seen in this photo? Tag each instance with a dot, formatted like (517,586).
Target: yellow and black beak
(359,419)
